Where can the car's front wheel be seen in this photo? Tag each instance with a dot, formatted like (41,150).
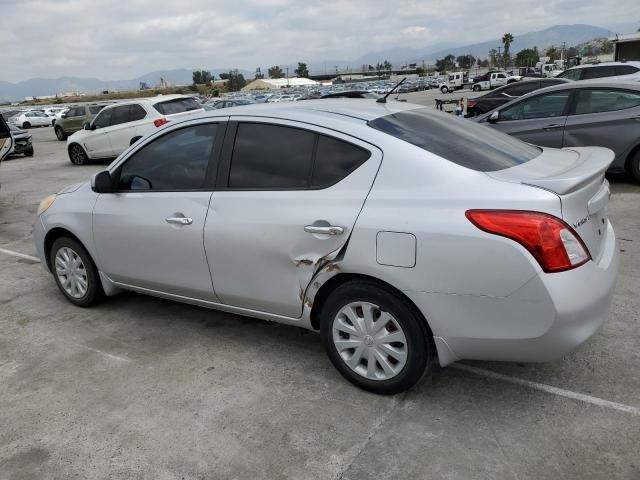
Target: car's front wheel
(374,337)
(476,88)
(634,166)
(444,90)
(26,125)
(29,152)
(60,133)
(75,274)
(77,155)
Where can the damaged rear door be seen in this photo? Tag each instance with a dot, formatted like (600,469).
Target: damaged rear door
(287,198)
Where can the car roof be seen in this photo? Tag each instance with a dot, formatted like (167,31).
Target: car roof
(154,100)
(606,64)
(596,82)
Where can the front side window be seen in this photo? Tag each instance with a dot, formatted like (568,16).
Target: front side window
(604,100)
(520,88)
(93,109)
(598,72)
(547,105)
(103,119)
(175,161)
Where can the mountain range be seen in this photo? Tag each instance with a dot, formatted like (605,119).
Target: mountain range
(556,35)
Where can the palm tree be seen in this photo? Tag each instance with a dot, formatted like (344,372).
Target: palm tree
(507,40)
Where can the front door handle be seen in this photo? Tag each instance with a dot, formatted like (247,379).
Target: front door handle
(330,230)
(552,126)
(179,220)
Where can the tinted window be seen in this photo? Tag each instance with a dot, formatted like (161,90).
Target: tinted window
(103,119)
(93,109)
(136,112)
(462,142)
(176,161)
(625,70)
(572,74)
(120,115)
(598,72)
(547,105)
(178,105)
(605,100)
(75,112)
(271,157)
(334,160)
(520,88)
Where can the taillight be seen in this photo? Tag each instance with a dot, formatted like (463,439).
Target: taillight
(158,122)
(553,243)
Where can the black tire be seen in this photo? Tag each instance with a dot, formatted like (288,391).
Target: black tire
(476,88)
(77,155)
(26,125)
(60,133)
(634,167)
(53,122)
(444,90)
(94,292)
(29,152)
(419,353)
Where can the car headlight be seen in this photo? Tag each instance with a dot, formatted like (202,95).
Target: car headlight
(46,203)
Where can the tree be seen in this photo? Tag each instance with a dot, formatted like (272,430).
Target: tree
(302,70)
(387,65)
(553,53)
(527,57)
(507,40)
(276,72)
(144,86)
(445,64)
(466,61)
(201,76)
(236,81)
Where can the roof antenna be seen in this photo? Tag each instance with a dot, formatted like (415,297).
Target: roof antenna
(384,99)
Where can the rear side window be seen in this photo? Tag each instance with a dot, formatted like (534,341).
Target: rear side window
(625,70)
(271,157)
(604,100)
(521,88)
(334,160)
(598,72)
(136,112)
(120,115)
(93,109)
(177,105)
(462,142)
(546,105)
(572,74)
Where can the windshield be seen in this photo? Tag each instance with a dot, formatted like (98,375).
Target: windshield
(460,141)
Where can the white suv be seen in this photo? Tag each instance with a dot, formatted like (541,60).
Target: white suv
(118,126)
(611,70)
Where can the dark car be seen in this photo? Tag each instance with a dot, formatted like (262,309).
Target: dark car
(351,94)
(75,118)
(500,96)
(22,144)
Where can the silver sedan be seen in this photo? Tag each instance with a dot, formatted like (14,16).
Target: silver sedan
(400,234)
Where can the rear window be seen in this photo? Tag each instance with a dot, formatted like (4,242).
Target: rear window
(178,105)
(460,141)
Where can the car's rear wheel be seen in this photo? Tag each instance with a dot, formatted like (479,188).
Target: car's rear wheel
(444,90)
(26,125)
(634,166)
(74,272)
(60,133)
(374,337)
(77,155)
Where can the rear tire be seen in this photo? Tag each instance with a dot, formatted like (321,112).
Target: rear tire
(60,133)
(384,358)
(634,167)
(444,90)
(74,272)
(26,125)
(77,155)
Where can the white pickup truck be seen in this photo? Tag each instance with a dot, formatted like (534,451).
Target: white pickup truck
(493,80)
(456,81)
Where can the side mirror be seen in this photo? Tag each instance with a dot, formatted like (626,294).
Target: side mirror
(102,182)
(64,115)
(494,117)
(87,126)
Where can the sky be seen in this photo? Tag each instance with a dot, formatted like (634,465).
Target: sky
(122,39)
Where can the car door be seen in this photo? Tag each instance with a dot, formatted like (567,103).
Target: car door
(537,119)
(41,119)
(148,233)
(74,120)
(125,122)
(97,142)
(287,200)
(6,140)
(604,117)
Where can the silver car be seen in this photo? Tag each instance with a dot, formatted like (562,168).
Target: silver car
(605,113)
(399,233)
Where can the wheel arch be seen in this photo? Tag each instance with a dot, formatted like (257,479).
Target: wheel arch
(55,233)
(632,153)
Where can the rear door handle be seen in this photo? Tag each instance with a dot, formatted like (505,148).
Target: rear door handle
(553,126)
(330,230)
(179,220)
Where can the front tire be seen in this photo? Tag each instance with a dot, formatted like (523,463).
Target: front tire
(375,338)
(29,152)
(77,155)
(26,125)
(476,88)
(74,272)
(60,133)
(634,167)
(444,90)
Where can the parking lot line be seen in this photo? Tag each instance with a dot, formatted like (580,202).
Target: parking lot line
(549,389)
(20,255)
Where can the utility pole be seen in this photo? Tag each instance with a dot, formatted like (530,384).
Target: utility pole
(287,68)
(499,55)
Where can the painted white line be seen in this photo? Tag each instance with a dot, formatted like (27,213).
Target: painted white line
(549,389)
(20,255)
(108,355)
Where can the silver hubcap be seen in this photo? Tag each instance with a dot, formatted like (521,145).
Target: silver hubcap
(369,341)
(71,272)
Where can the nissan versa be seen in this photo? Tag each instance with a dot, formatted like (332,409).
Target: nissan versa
(397,232)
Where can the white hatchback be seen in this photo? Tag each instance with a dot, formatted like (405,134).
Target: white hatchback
(33,118)
(118,126)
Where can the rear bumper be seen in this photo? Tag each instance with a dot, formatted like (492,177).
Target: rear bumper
(548,317)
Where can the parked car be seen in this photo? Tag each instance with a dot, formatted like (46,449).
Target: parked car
(576,114)
(611,70)
(32,118)
(218,104)
(493,79)
(118,126)
(479,105)
(396,231)
(74,119)
(6,139)
(22,144)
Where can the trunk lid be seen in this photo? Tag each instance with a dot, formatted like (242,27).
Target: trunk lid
(576,175)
